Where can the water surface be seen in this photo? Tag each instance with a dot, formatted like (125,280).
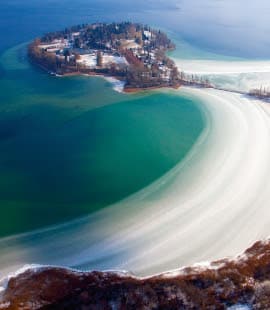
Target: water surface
(70,146)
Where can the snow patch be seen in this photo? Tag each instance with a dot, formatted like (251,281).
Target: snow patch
(239,307)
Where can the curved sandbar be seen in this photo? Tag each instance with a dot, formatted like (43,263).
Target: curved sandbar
(213,204)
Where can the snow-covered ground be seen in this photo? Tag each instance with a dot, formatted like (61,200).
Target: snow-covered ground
(233,75)
(89,60)
(107,59)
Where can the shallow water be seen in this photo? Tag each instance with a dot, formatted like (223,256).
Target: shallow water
(70,146)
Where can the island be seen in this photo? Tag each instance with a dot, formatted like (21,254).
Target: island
(130,52)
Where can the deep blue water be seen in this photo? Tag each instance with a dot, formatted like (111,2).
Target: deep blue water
(225,27)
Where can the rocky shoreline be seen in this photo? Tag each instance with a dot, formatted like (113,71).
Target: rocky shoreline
(243,281)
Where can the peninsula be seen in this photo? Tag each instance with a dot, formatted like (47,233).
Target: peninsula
(132,53)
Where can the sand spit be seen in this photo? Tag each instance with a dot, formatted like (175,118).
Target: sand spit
(206,208)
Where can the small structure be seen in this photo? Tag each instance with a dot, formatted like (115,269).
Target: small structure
(99,59)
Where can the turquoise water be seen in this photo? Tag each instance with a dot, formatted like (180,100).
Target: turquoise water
(70,146)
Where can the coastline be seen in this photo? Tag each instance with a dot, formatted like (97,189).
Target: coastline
(238,283)
(214,157)
(244,127)
(137,90)
(180,201)
(111,78)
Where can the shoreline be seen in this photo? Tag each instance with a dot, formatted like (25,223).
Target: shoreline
(221,119)
(192,88)
(182,270)
(239,282)
(146,212)
(138,90)
(131,90)
(128,90)
(184,84)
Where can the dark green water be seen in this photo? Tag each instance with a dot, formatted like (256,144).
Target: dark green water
(70,146)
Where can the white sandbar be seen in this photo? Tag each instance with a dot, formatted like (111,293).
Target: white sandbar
(213,204)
